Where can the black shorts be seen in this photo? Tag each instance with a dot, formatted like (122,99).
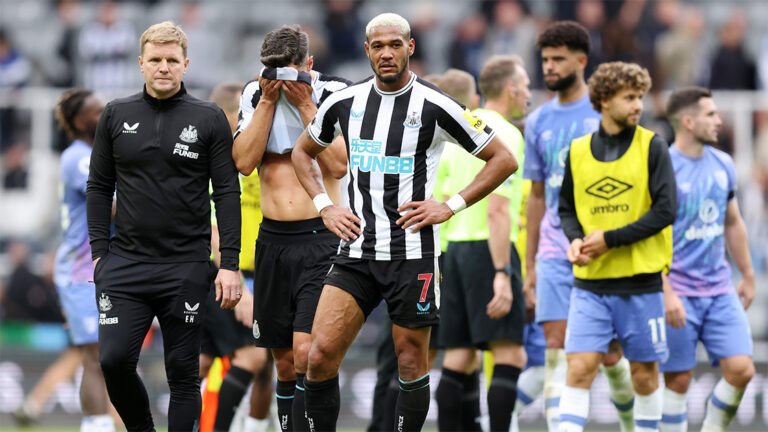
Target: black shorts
(411,288)
(467,289)
(222,332)
(292,258)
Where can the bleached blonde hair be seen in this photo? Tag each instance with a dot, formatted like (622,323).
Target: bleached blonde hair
(388,20)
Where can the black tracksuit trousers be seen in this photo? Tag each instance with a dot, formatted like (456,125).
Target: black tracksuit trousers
(129,295)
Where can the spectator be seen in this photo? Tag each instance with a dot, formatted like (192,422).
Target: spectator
(342,27)
(15,167)
(732,69)
(680,52)
(28,296)
(62,71)
(466,50)
(619,38)
(108,48)
(591,14)
(15,71)
(513,31)
(204,47)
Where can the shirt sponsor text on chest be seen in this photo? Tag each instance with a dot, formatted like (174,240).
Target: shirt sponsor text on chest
(365,155)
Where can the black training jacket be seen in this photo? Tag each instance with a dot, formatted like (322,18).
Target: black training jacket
(160,155)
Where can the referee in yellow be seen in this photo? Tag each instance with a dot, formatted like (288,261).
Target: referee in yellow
(617,202)
(482,300)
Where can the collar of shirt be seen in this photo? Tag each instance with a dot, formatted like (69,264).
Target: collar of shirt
(163,103)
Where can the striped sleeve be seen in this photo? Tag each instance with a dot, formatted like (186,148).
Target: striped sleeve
(325,126)
(249,98)
(459,125)
(330,85)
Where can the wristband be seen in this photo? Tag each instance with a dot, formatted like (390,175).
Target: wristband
(456,203)
(322,201)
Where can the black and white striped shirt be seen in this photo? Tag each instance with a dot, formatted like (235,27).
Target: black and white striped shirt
(286,124)
(394,141)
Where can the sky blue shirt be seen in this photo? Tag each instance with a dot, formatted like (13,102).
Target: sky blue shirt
(73,258)
(705,185)
(549,131)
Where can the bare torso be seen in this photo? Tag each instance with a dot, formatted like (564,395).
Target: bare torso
(282,196)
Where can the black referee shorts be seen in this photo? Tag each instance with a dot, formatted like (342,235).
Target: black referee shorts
(292,258)
(411,288)
(467,289)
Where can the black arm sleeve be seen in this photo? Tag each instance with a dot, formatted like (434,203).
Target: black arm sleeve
(101,187)
(226,191)
(663,189)
(566,206)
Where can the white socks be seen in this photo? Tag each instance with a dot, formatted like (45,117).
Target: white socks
(529,386)
(674,413)
(722,406)
(556,367)
(251,424)
(622,392)
(648,411)
(97,423)
(574,408)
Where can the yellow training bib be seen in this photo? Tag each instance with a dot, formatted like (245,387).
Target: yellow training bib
(250,210)
(610,195)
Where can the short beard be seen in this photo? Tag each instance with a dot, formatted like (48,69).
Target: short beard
(562,83)
(392,78)
(624,122)
(704,140)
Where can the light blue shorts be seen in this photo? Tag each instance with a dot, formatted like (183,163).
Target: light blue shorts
(79,303)
(554,279)
(719,322)
(535,344)
(637,321)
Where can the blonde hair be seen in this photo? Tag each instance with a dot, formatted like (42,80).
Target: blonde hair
(496,73)
(459,85)
(162,33)
(388,20)
(611,78)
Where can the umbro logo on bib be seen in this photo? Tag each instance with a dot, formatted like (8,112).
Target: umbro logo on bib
(608,188)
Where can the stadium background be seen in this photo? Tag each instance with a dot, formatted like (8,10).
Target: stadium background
(47,46)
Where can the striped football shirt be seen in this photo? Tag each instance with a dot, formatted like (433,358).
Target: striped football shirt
(394,141)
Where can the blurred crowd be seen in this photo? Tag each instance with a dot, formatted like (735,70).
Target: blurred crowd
(721,44)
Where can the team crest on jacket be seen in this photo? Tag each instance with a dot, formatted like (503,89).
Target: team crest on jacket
(189,134)
(413,120)
(104,303)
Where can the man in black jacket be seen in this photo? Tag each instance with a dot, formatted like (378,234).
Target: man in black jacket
(160,148)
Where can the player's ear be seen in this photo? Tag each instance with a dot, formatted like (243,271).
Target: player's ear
(583,59)
(310,62)
(411,46)
(603,105)
(686,121)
